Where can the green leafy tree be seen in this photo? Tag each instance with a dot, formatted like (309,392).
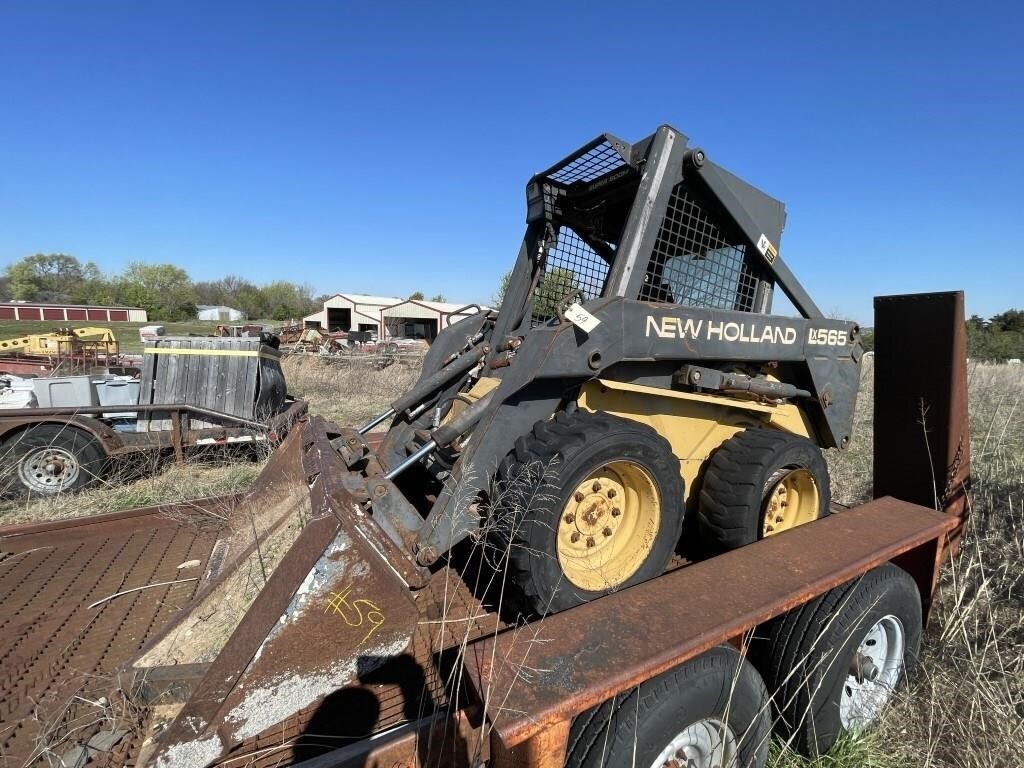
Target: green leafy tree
(416,296)
(977,321)
(499,293)
(288,300)
(553,287)
(250,300)
(163,290)
(1010,320)
(48,277)
(439,297)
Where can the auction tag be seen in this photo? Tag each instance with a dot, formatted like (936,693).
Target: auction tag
(582,319)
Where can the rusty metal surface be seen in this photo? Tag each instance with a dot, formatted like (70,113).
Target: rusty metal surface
(337,607)
(545,673)
(54,647)
(922,448)
(56,654)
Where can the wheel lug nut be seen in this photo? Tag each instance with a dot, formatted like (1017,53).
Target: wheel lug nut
(607,531)
(570,518)
(578,497)
(596,486)
(575,537)
(769,528)
(590,541)
(778,519)
(611,493)
(616,511)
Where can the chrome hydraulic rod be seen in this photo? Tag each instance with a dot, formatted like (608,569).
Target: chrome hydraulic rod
(443,435)
(375,421)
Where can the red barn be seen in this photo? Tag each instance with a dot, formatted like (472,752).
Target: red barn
(78,313)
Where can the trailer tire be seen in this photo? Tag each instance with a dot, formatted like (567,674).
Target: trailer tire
(810,664)
(746,480)
(48,459)
(626,531)
(681,710)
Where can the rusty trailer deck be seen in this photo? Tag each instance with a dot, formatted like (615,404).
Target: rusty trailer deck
(61,654)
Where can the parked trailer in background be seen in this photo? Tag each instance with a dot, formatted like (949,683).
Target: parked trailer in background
(45,451)
(193,392)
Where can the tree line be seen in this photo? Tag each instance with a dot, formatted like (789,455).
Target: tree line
(165,291)
(1000,338)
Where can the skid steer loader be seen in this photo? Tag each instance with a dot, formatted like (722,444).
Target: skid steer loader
(633,387)
(632,399)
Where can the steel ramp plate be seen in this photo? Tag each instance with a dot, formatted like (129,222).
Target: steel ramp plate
(545,673)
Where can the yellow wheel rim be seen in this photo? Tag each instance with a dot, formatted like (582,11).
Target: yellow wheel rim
(792,500)
(608,526)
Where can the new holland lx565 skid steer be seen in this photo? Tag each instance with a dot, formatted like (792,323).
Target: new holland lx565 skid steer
(634,393)
(633,399)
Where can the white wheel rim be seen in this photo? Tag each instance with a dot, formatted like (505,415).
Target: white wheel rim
(48,470)
(708,743)
(873,675)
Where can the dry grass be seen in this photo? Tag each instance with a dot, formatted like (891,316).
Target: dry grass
(965,707)
(168,483)
(346,393)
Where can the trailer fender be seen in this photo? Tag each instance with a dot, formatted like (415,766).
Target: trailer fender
(108,439)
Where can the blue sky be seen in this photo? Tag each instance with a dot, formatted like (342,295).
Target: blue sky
(384,147)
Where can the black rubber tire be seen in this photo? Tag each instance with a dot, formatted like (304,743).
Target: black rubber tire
(83,446)
(633,729)
(736,483)
(808,652)
(532,487)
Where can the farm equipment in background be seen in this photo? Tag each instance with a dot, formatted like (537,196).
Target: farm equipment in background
(67,349)
(582,496)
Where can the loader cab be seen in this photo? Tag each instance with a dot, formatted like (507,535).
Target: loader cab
(654,221)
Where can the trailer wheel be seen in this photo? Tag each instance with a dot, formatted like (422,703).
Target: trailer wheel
(833,664)
(710,712)
(49,459)
(758,483)
(586,504)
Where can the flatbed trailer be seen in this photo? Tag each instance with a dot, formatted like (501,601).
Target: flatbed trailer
(84,600)
(89,441)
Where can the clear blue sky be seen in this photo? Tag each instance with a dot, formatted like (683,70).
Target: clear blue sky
(383,147)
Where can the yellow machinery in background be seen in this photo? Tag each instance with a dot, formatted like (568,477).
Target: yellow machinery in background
(63,342)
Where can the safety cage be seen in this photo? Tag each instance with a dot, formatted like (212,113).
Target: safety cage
(698,259)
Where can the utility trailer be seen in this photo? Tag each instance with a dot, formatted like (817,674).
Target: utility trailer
(44,451)
(317,669)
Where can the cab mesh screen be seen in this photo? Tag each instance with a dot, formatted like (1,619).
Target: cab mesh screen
(569,264)
(695,264)
(590,165)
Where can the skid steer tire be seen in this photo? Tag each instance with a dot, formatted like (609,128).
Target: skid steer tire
(621,480)
(741,481)
(680,716)
(808,661)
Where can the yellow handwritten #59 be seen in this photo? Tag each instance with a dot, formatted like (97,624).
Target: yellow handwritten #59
(356,612)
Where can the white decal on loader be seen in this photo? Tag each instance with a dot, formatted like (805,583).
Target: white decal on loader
(764,245)
(674,327)
(752,333)
(826,337)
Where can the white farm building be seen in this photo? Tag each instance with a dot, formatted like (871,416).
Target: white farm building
(218,312)
(387,316)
